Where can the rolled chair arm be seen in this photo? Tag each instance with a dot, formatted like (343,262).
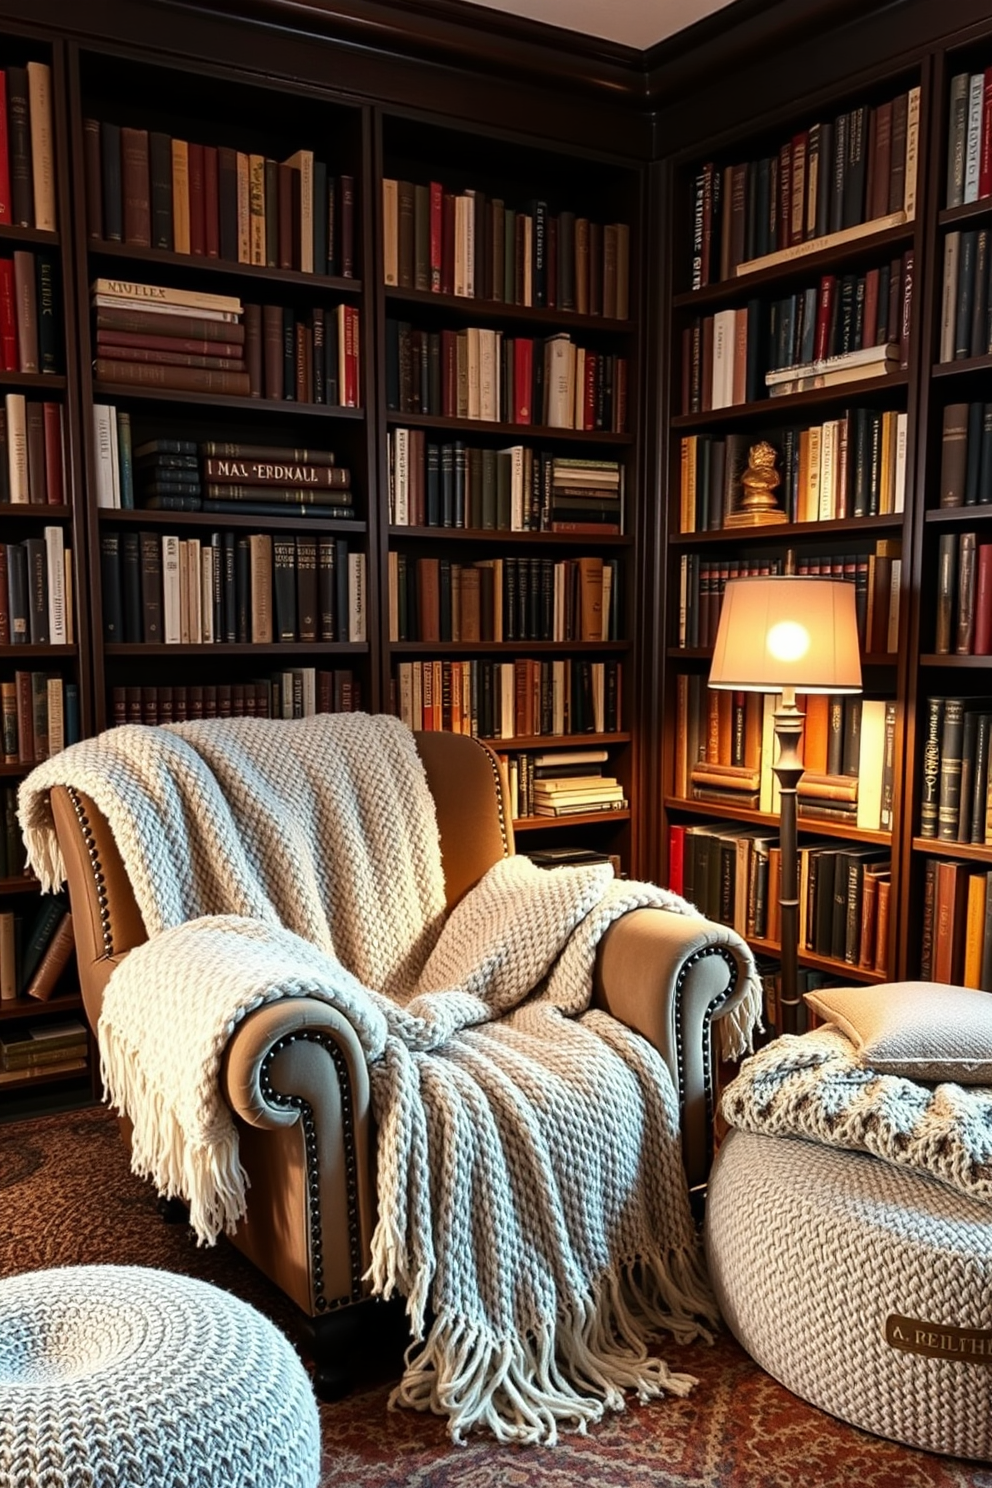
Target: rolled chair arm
(296,1079)
(671,977)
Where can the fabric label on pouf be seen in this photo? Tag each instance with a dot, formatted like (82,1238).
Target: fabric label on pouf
(938,1340)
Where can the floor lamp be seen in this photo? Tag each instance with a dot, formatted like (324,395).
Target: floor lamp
(784,635)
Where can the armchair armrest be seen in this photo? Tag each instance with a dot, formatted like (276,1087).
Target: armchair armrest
(296,1079)
(670,977)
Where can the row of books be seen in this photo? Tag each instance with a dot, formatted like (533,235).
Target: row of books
(851,466)
(963,622)
(502,599)
(45,1049)
(30,313)
(966,305)
(467,244)
(956,937)
(858,168)
(877,579)
(13,858)
(478,373)
(32,457)
(274,352)
(725,747)
(519,699)
(27,147)
(36,606)
(733,875)
(39,712)
(230,587)
(151,190)
(969,137)
(966,455)
(510,490)
(955,804)
(559,782)
(297,692)
(845,329)
(35,948)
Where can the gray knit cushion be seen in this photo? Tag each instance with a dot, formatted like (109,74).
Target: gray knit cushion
(125,1377)
(921,1030)
(861,1287)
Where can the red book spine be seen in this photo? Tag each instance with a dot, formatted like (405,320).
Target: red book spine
(676,858)
(589,391)
(448,243)
(211,202)
(5,212)
(985,157)
(229,349)
(54,484)
(436,234)
(871,308)
(8,317)
(824,310)
(350,398)
(983,602)
(523,380)
(197,205)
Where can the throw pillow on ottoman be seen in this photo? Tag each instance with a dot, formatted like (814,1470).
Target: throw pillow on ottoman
(863,1288)
(127,1377)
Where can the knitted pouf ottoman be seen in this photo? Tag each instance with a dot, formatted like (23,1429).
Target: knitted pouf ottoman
(119,1376)
(863,1288)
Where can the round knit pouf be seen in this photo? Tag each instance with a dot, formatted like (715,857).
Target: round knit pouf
(124,1377)
(863,1288)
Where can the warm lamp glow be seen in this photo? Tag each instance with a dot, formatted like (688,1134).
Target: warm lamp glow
(788,640)
(787,631)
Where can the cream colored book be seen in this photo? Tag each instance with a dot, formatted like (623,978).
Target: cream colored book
(256,209)
(242,177)
(42,145)
(390,231)
(17,448)
(302,161)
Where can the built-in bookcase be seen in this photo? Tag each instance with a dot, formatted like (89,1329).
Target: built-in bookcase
(44,609)
(510,351)
(795,323)
(948,847)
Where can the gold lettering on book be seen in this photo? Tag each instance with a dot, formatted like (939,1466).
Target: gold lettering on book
(938,1340)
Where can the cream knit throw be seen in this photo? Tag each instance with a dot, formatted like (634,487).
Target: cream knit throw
(812,1085)
(530,1187)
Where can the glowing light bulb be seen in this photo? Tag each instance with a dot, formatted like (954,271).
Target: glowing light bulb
(788,640)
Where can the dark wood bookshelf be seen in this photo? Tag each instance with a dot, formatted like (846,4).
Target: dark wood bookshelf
(846,969)
(536,432)
(490,535)
(506,647)
(502,312)
(972,852)
(271,650)
(778,532)
(576,819)
(140,516)
(185,265)
(783,409)
(285,408)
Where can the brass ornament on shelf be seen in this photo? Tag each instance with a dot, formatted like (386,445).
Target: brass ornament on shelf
(758,507)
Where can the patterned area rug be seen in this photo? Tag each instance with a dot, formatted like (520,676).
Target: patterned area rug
(67,1197)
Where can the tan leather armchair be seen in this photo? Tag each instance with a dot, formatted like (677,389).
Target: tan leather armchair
(296,1079)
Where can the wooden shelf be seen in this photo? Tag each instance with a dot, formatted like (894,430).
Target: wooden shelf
(558,741)
(501,312)
(186,265)
(580,819)
(505,648)
(30,1007)
(516,432)
(505,535)
(806,825)
(821,963)
(286,408)
(49,653)
(43,1075)
(34,511)
(125,515)
(969,851)
(241,648)
(846,527)
(783,409)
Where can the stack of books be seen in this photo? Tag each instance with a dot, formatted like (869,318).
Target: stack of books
(849,366)
(586,495)
(167,475)
(268,480)
(46,1048)
(728,785)
(181,339)
(571,782)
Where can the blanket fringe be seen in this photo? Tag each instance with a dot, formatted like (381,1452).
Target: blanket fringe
(737,1028)
(45,857)
(563,1374)
(206,1175)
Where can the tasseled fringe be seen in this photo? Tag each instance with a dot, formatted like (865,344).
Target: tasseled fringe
(45,856)
(208,1176)
(561,1375)
(737,1028)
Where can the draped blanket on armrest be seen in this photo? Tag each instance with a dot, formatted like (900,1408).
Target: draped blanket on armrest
(530,1188)
(812,1085)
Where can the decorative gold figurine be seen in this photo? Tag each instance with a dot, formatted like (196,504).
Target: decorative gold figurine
(758,506)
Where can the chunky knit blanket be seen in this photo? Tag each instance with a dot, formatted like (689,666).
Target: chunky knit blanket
(530,1188)
(813,1085)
